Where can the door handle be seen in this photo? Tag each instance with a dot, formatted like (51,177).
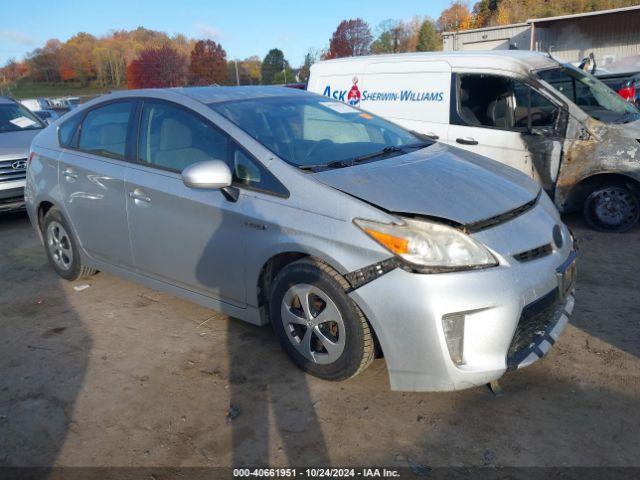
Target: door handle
(69,174)
(138,194)
(467,141)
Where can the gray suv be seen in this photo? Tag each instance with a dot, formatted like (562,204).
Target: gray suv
(352,236)
(18,126)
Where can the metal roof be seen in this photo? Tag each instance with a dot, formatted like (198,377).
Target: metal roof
(484,29)
(586,14)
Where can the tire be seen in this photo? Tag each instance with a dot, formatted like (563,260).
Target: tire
(62,248)
(612,208)
(336,343)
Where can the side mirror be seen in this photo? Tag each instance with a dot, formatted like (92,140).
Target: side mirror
(210,175)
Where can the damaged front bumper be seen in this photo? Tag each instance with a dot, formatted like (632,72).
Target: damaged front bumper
(510,314)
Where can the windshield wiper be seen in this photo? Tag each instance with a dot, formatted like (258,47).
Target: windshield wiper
(363,158)
(326,166)
(380,153)
(419,145)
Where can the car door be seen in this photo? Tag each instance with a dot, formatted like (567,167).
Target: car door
(508,121)
(91,173)
(183,236)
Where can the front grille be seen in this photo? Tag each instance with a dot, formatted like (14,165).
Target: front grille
(541,251)
(535,320)
(8,173)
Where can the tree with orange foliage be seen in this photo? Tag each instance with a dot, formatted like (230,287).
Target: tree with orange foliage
(208,63)
(456,17)
(157,68)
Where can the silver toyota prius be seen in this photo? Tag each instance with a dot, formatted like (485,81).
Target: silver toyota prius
(353,237)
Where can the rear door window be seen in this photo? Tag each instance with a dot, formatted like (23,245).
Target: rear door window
(104,129)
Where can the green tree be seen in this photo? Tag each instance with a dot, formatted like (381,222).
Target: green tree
(309,59)
(428,37)
(273,63)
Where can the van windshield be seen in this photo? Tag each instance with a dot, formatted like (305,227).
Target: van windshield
(314,133)
(589,93)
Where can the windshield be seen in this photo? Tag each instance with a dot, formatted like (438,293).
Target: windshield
(14,118)
(589,93)
(315,133)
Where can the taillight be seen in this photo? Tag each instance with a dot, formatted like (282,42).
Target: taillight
(31,155)
(628,93)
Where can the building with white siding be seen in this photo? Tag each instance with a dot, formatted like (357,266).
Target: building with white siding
(611,35)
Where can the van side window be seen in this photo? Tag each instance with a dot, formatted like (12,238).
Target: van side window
(104,130)
(503,103)
(533,110)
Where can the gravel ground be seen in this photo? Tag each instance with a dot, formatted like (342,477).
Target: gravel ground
(120,375)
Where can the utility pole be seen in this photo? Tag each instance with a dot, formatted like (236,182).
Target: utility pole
(284,70)
(237,76)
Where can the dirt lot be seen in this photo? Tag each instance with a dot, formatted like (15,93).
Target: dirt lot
(119,375)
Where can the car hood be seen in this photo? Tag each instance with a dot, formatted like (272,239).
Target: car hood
(16,144)
(437,181)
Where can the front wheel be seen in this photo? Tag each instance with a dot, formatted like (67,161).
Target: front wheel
(316,322)
(612,208)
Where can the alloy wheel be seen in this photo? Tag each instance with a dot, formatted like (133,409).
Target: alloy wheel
(313,324)
(59,245)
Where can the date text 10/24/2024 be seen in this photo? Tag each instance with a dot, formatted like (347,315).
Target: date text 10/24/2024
(315,473)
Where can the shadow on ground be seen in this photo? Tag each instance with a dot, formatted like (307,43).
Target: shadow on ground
(608,273)
(45,350)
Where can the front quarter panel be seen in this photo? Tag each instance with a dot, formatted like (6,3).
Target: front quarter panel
(611,149)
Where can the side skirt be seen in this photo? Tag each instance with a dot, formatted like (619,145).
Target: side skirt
(249,314)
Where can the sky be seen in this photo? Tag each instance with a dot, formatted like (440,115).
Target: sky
(243,27)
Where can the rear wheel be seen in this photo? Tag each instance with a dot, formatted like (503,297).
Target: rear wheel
(316,322)
(61,247)
(612,208)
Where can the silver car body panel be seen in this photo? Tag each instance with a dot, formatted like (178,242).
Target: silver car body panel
(198,245)
(436,184)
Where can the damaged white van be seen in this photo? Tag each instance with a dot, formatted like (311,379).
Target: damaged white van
(558,124)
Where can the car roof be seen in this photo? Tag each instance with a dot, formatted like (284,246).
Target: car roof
(208,95)
(224,94)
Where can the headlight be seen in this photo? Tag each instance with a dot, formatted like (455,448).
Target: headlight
(429,246)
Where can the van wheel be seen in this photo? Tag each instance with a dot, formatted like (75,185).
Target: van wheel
(62,248)
(612,208)
(316,322)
